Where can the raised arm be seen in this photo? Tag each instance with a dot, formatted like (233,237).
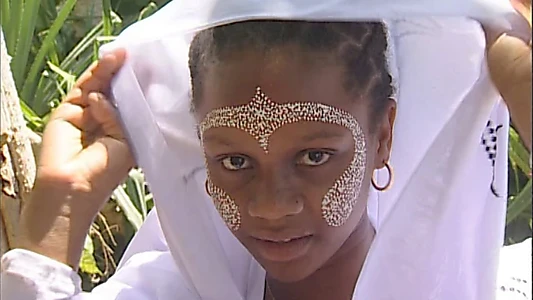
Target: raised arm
(83,158)
(509,60)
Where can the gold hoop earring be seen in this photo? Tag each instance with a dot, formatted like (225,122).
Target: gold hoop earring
(389,183)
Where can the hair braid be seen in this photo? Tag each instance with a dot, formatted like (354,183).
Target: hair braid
(360,46)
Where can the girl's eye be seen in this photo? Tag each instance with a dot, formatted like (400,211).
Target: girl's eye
(314,158)
(235,163)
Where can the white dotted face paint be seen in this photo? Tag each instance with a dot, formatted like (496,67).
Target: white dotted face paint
(226,207)
(261,118)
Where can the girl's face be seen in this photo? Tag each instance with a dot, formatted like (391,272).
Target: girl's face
(292,190)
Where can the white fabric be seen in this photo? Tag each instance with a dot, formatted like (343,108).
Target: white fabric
(29,276)
(439,230)
(514,275)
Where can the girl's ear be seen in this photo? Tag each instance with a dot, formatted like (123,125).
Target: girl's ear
(384,135)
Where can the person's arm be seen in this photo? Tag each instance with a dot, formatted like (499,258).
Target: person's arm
(515,89)
(28,275)
(84,156)
(509,61)
(147,275)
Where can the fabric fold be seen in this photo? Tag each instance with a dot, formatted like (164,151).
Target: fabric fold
(444,102)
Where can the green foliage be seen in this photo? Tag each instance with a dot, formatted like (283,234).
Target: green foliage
(519,217)
(87,262)
(32,77)
(133,199)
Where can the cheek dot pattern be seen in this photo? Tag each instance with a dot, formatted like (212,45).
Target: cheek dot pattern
(339,201)
(226,207)
(261,117)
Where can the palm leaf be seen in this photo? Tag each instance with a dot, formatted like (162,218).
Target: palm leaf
(24,39)
(147,11)
(77,60)
(519,204)
(108,22)
(13,28)
(6,13)
(135,188)
(130,211)
(518,153)
(33,75)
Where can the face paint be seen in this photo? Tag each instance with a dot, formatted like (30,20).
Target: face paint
(226,207)
(261,118)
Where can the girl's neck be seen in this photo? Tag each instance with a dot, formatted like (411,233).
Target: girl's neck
(337,278)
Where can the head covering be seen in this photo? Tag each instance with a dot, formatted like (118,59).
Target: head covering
(439,229)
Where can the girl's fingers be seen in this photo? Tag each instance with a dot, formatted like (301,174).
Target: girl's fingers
(80,117)
(75,96)
(104,114)
(520,24)
(524,8)
(98,76)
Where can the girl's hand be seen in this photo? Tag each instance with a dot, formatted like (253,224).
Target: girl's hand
(509,61)
(84,156)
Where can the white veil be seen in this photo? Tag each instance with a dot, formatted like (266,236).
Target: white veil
(439,228)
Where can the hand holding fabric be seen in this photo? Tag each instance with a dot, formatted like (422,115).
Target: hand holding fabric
(84,156)
(509,61)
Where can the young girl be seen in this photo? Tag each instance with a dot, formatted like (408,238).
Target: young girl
(287,122)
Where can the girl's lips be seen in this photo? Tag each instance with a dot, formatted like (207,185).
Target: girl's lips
(283,249)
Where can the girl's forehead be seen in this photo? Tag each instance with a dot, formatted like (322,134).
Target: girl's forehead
(286,80)
(262,117)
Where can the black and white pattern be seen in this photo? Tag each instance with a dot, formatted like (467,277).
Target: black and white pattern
(515,288)
(489,141)
(514,272)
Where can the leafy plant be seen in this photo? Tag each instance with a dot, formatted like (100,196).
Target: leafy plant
(87,262)
(133,199)
(519,218)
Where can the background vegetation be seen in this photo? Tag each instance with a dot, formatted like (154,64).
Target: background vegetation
(53,41)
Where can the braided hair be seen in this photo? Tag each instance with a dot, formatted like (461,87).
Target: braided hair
(361,47)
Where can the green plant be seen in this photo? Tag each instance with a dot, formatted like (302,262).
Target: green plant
(21,37)
(519,218)
(132,197)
